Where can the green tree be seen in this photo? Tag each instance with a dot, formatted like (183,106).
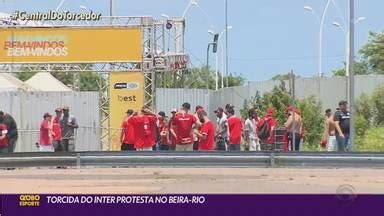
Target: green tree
(378,106)
(373,52)
(278,98)
(313,121)
(372,57)
(196,77)
(360,68)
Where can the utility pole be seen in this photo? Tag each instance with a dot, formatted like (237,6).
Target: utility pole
(110,7)
(351,73)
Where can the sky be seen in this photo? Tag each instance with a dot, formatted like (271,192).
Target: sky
(268,37)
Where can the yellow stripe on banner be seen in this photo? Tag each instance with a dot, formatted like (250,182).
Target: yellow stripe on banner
(64,45)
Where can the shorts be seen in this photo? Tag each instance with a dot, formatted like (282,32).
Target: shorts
(234,147)
(46,148)
(185,147)
(145,149)
(128,147)
(331,143)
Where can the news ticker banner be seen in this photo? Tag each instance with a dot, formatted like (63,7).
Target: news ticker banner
(188,204)
(68,45)
(126,91)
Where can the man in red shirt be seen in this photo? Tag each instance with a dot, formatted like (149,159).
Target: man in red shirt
(46,134)
(235,128)
(184,124)
(164,132)
(272,123)
(56,129)
(3,138)
(206,134)
(196,129)
(127,136)
(171,126)
(144,124)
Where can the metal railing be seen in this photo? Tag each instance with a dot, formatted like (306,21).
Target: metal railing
(192,159)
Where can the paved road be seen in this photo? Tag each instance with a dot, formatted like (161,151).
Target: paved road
(190,180)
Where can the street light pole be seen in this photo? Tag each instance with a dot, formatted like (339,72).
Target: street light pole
(226,41)
(351,74)
(207,66)
(220,42)
(321,38)
(322,20)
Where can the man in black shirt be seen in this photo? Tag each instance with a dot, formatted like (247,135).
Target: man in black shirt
(341,118)
(12,134)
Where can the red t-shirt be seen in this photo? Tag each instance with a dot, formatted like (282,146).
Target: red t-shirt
(129,134)
(163,128)
(207,144)
(272,124)
(3,142)
(235,127)
(143,130)
(183,128)
(56,129)
(45,138)
(172,139)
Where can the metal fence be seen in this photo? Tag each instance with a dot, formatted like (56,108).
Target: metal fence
(329,91)
(28,108)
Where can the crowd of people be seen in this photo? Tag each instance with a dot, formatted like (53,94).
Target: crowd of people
(189,131)
(56,133)
(195,131)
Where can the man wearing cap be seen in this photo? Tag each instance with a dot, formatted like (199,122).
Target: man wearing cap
(68,125)
(164,132)
(56,129)
(12,133)
(206,133)
(127,136)
(183,125)
(46,134)
(222,130)
(341,118)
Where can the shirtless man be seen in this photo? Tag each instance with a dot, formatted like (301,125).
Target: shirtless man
(330,131)
(294,127)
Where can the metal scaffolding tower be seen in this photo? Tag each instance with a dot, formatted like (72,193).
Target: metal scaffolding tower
(163,52)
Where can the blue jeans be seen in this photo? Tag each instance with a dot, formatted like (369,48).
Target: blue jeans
(221,144)
(234,147)
(343,144)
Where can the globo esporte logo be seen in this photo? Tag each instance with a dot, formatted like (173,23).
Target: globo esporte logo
(29,200)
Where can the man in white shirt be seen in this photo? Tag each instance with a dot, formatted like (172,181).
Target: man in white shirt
(221,130)
(250,133)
